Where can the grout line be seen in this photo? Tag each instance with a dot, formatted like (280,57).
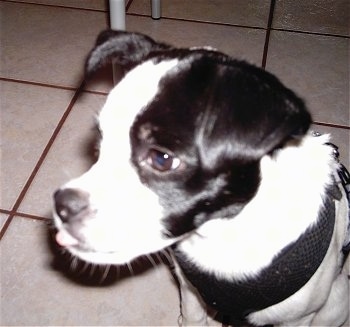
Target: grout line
(29,216)
(39,163)
(183,19)
(268,32)
(286,30)
(198,21)
(20,81)
(5,226)
(128,5)
(6,212)
(12,214)
(95,92)
(331,125)
(22,214)
(133,14)
(269,27)
(66,88)
(55,6)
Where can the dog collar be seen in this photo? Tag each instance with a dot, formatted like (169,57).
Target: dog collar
(344,178)
(289,271)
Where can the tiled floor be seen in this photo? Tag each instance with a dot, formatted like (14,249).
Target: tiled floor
(46,129)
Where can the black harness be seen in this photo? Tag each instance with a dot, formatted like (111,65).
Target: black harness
(344,177)
(289,271)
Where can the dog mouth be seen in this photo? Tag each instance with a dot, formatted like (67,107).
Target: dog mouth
(85,252)
(71,237)
(66,239)
(92,247)
(69,241)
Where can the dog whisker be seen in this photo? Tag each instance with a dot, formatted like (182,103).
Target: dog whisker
(169,258)
(86,265)
(159,257)
(92,271)
(105,273)
(151,260)
(73,264)
(62,251)
(118,272)
(154,264)
(130,268)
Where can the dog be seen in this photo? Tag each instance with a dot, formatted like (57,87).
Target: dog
(212,158)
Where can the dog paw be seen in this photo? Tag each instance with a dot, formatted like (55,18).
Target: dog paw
(184,322)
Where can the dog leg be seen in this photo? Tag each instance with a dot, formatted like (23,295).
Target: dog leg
(304,321)
(335,312)
(193,311)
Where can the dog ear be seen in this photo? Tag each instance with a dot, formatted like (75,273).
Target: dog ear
(124,48)
(258,115)
(282,118)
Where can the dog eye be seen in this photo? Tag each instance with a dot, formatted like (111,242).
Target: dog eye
(162,161)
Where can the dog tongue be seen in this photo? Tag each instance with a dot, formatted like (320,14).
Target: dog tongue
(65,239)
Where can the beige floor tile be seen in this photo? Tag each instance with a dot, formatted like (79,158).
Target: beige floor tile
(85,4)
(70,156)
(34,294)
(317,68)
(318,16)
(238,12)
(49,45)
(242,43)
(29,116)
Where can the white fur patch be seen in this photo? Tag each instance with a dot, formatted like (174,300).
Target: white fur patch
(125,220)
(287,202)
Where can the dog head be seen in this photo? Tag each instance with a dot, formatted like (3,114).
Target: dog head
(182,136)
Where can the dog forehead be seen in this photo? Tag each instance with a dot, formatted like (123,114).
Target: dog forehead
(132,94)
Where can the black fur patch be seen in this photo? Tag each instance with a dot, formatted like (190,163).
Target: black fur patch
(219,116)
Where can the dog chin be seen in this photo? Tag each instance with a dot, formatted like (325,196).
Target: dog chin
(113,257)
(102,258)
(93,245)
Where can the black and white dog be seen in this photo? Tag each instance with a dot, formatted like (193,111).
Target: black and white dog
(211,156)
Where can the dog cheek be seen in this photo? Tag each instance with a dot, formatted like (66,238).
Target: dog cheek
(131,213)
(125,239)
(126,215)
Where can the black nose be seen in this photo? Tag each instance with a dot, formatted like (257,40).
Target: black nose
(69,203)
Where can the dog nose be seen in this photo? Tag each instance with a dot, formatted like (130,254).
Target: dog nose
(69,203)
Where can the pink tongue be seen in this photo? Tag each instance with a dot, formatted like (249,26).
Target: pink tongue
(65,239)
